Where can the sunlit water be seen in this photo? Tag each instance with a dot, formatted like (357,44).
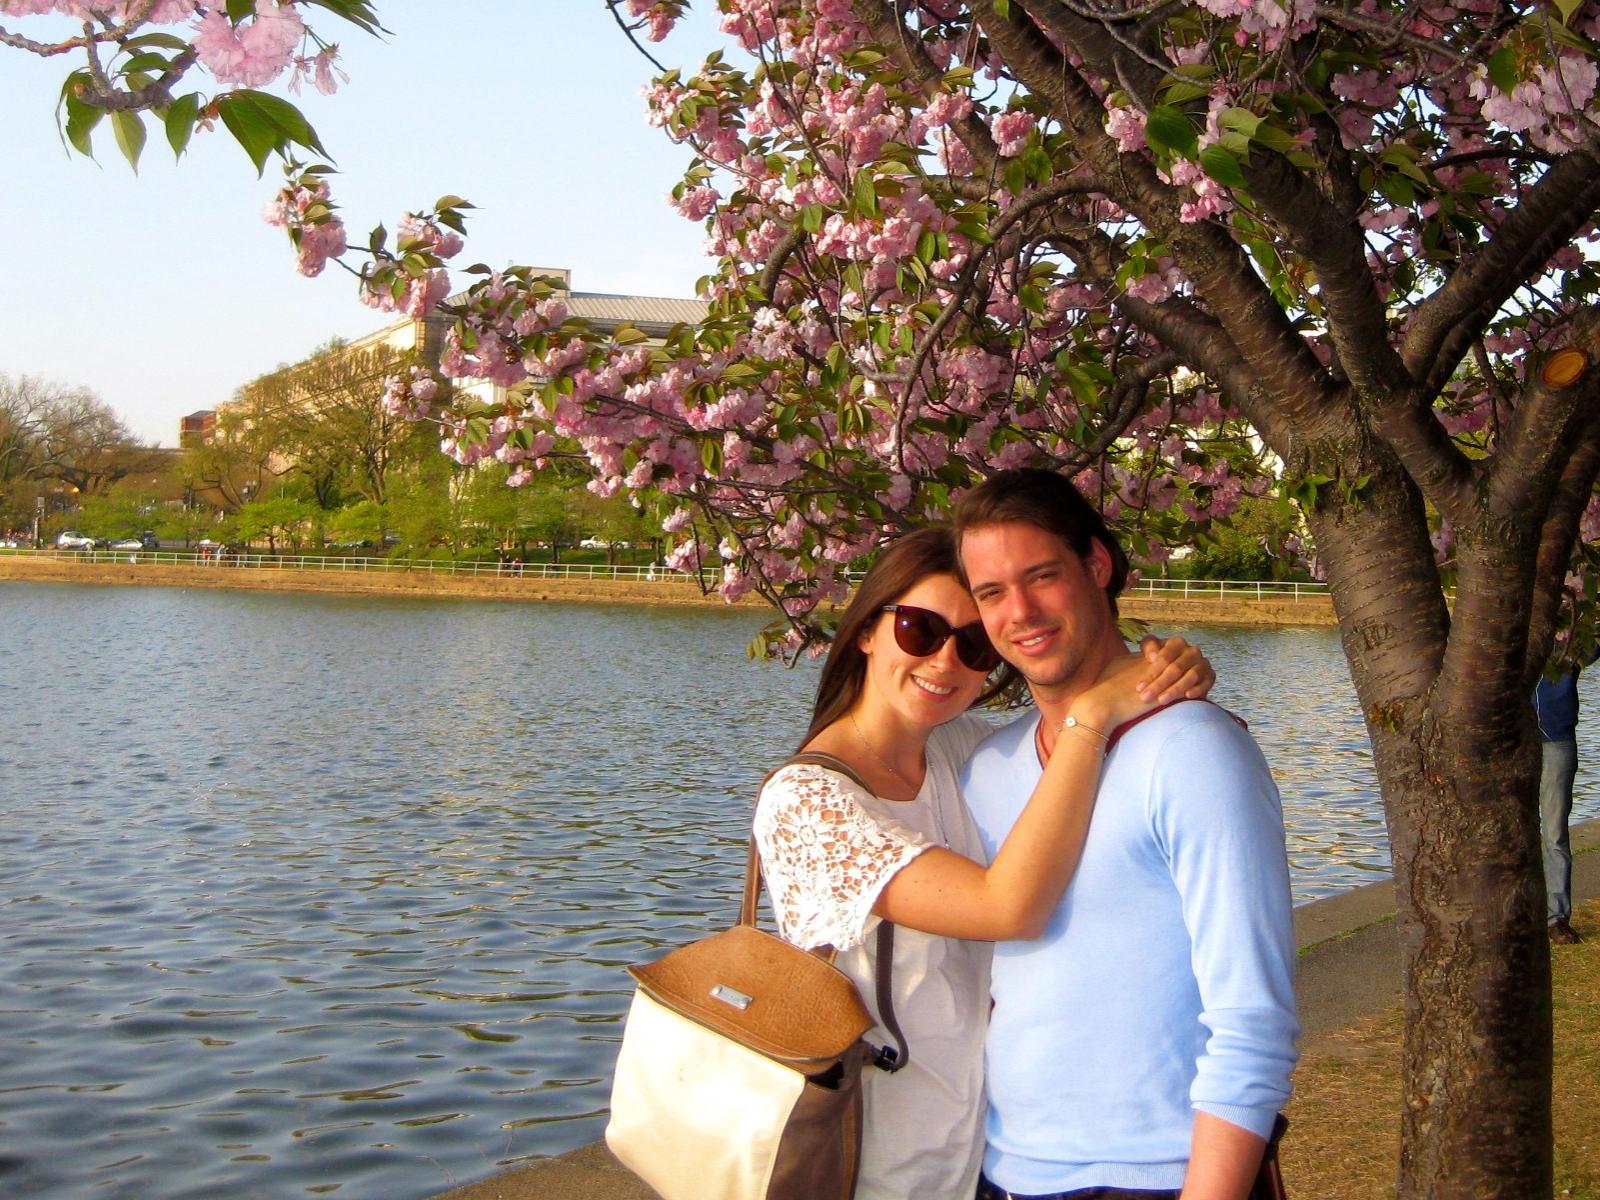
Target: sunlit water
(314,895)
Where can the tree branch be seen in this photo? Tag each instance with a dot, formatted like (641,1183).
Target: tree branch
(1556,538)
(1557,405)
(1445,325)
(1256,325)
(892,35)
(778,259)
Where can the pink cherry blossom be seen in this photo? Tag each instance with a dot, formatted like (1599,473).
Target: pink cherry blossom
(254,53)
(1011,131)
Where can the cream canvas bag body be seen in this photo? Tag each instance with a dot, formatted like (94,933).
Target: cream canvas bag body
(739,1076)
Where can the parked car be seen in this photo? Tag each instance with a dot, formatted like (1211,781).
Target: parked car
(128,544)
(71,539)
(10,544)
(149,540)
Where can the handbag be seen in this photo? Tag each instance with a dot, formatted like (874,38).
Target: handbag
(1269,1183)
(739,1076)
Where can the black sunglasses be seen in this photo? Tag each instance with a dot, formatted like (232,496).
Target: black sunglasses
(920,632)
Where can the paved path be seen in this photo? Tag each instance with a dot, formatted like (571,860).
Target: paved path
(1349,968)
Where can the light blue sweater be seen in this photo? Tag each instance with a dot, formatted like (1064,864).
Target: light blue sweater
(1164,981)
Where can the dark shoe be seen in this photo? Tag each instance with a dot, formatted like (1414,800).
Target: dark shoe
(1563,934)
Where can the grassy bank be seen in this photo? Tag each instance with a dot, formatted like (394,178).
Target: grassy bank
(1345,1136)
(530,586)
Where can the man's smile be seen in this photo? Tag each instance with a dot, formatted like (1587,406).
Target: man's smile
(1032,640)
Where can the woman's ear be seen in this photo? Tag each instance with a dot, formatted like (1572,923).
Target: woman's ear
(864,638)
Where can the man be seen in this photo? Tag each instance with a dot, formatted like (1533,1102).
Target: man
(1143,1045)
(1555,701)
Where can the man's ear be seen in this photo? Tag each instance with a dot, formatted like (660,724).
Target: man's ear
(1099,563)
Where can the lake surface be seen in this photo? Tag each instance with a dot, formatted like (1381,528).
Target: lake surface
(310,895)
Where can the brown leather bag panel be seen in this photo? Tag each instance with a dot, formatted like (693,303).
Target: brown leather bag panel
(821,1148)
(803,1011)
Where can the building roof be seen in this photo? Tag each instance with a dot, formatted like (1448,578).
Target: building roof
(650,314)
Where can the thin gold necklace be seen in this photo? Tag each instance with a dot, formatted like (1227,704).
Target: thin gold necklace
(873,750)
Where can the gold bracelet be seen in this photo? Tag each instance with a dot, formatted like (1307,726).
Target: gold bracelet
(1098,735)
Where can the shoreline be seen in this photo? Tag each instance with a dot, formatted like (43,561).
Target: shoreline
(669,591)
(1349,969)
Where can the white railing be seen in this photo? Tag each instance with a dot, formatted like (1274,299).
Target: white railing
(1172,589)
(287,561)
(1210,589)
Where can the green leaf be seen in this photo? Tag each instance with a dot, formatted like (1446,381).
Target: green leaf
(81,120)
(250,128)
(711,456)
(450,202)
(238,10)
(1503,69)
(1222,166)
(1235,143)
(148,61)
(129,129)
(1168,128)
(1002,9)
(1015,175)
(1567,8)
(179,119)
(1242,119)
(1274,138)
(1038,164)
(1399,190)
(866,195)
(811,218)
(1180,90)
(1403,159)
(165,41)
(1571,37)
(284,117)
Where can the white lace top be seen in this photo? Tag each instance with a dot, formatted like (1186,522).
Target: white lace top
(828,848)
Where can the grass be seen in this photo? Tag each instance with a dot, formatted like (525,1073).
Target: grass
(1344,1138)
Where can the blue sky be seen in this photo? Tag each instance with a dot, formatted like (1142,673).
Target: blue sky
(165,291)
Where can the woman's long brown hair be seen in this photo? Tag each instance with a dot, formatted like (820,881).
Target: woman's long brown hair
(903,563)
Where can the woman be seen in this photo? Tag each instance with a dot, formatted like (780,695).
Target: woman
(909,659)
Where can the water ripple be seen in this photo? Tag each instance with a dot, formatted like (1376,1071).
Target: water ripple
(330,895)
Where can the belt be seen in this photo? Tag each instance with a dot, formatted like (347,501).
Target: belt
(990,1191)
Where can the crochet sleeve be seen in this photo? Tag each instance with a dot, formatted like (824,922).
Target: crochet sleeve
(825,857)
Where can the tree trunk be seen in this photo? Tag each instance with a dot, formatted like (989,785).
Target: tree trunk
(1457,757)
(1475,1113)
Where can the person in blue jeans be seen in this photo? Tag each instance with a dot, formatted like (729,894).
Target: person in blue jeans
(1555,702)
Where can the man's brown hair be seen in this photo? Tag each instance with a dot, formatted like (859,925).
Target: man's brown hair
(1050,502)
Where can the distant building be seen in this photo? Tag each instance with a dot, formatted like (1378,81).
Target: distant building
(652,316)
(197,428)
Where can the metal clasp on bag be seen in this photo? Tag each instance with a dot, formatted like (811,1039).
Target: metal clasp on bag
(885,1057)
(730,996)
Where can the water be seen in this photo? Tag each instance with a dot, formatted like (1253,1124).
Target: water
(309,895)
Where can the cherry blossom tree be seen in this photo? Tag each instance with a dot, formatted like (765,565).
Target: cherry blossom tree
(1185,250)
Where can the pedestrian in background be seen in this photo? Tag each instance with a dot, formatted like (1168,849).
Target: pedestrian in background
(1555,702)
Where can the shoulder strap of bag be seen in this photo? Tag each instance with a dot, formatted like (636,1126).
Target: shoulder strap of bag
(1116,734)
(885,1058)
